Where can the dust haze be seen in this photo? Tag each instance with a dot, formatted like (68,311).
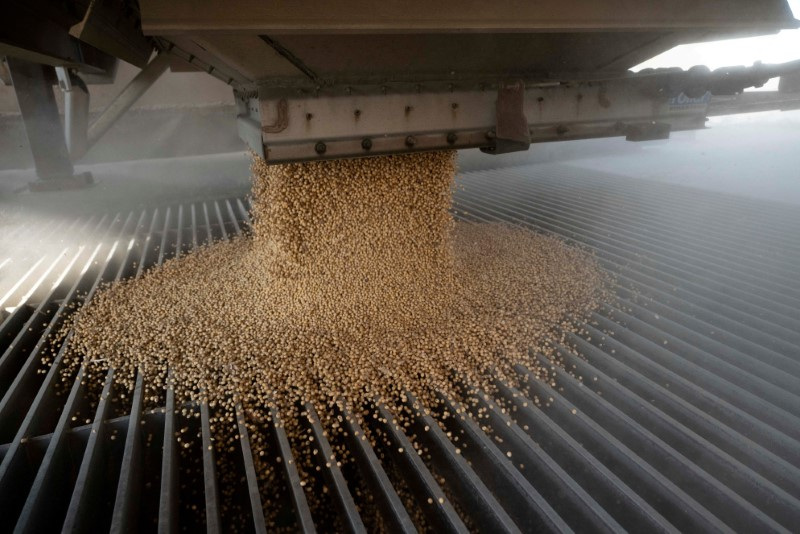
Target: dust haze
(166,150)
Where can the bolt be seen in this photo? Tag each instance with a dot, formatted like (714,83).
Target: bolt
(452,138)
(366,143)
(320,148)
(491,134)
(411,141)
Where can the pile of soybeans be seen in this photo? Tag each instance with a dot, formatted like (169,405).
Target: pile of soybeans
(356,284)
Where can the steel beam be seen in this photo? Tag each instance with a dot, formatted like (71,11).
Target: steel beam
(114,31)
(132,92)
(27,34)
(309,16)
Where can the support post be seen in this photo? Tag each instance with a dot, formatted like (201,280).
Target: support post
(33,85)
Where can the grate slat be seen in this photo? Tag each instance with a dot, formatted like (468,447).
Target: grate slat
(391,507)
(126,503)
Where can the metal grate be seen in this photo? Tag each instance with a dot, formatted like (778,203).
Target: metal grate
(682,414)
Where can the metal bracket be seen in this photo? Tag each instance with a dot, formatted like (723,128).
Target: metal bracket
(511,131)
(281,121)
(76,112)
(647,131)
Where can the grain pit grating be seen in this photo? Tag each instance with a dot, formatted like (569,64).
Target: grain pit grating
(686,417)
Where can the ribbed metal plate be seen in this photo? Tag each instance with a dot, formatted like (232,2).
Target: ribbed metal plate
(681,411)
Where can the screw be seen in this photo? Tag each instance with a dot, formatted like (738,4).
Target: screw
(411,141)
(452,138)
(366,143)
(320,148)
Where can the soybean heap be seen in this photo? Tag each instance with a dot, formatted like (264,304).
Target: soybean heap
(356,284)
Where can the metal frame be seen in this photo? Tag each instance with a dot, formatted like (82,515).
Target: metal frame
(321,122)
